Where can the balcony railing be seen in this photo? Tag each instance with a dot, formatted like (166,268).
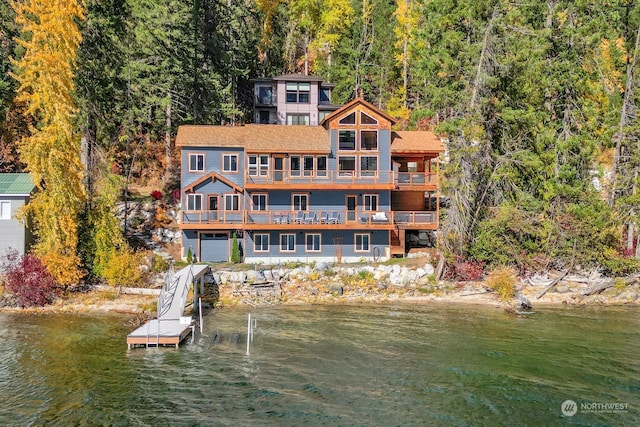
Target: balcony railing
(316,177)
(416,179)
(287,219)
(266,99)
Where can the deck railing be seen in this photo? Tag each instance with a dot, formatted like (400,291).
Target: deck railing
(285,219)
(310,177)
(416,178)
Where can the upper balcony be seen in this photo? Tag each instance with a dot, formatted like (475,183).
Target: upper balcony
(266,99)
(309,220)
(314,179)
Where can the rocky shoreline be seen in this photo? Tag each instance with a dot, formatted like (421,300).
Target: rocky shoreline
(352,284)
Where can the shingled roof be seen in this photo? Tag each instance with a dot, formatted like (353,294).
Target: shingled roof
(255,138)
(415,142)
(16,184)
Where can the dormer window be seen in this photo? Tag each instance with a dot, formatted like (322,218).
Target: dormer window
(298,92)
(348,120)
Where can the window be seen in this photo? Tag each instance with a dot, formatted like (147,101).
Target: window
(321,162)
(231,202)
(298,92)
(366,119)
(287,243)
(368,140)
(412,166)
(264,117)
(312,242)
(348,120)
(347,140)
(196,162)
(230,162)
(194,202)
(5,209)
(368,166)
(308,165)
(361,243)
(300,202)
(325,95)
(264,165)
(259,202)
(294,166)
(252,165)
(322,115)
(346,165)
(298,119)
(265,95)
(261,243)
(370,202)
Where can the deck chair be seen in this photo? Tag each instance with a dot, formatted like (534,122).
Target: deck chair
(324,218)
(334,218)
(310,218)
(299,217)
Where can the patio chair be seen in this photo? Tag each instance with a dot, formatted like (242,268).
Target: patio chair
(334,218)
(324,218)
(299,217)
(310,218)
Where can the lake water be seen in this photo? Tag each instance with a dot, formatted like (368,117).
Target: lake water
(386,365)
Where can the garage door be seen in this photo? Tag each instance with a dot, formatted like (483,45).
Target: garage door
(214,247)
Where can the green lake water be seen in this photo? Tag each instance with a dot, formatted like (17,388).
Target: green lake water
(352,365)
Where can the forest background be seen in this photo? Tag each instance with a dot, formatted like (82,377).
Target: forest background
(537,101)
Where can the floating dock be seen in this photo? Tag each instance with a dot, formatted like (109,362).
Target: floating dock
(171,327)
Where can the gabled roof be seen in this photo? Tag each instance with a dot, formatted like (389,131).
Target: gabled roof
(415,142)
(351,104)
(210,136)
(286,139)
(298,78)
(213,176)
(16,184)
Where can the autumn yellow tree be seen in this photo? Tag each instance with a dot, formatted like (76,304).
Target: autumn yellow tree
(50,38)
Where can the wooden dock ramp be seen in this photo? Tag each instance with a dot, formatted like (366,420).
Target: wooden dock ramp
(171,327)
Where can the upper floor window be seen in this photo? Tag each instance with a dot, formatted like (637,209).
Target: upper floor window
(366,119)
(230,162)
(232,202)
(325,95)
(194,202)
(196,162)
(322,115)
(265,95)
(300,202)
(368,140)
(347,165)
(298,119)
(368,165)
(298,92)
(348,120)
(370,202)
(5,209)
(294,165)
(347,140)
(259,202)
(321,166)
(257,164)
(308,165)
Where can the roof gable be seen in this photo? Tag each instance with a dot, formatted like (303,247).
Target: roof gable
(358,104)
(16,184)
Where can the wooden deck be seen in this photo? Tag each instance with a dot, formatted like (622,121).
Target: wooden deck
(157,333)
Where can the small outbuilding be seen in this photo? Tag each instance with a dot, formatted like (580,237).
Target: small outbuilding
(16,189)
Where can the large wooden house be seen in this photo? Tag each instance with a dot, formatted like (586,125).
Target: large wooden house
(348,189)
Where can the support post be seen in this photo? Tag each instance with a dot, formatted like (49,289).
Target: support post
(248,332)
(200,311)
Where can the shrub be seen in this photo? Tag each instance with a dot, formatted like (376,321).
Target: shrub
(235,250)
(156,195)
(29,280)
(617,265)
(503,280)
(189,256)
(160,264)
(467,270)
(123,268)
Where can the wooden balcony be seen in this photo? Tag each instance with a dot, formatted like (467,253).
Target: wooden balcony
(320,180)
(423,181)
(308,220)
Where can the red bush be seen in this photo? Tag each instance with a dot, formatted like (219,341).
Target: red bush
(466,270)
(28,279)
(156,195)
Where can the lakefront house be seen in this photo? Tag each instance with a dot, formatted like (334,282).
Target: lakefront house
(16,189)
(346,189)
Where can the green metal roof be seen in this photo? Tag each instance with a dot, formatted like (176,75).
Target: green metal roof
(16,184)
